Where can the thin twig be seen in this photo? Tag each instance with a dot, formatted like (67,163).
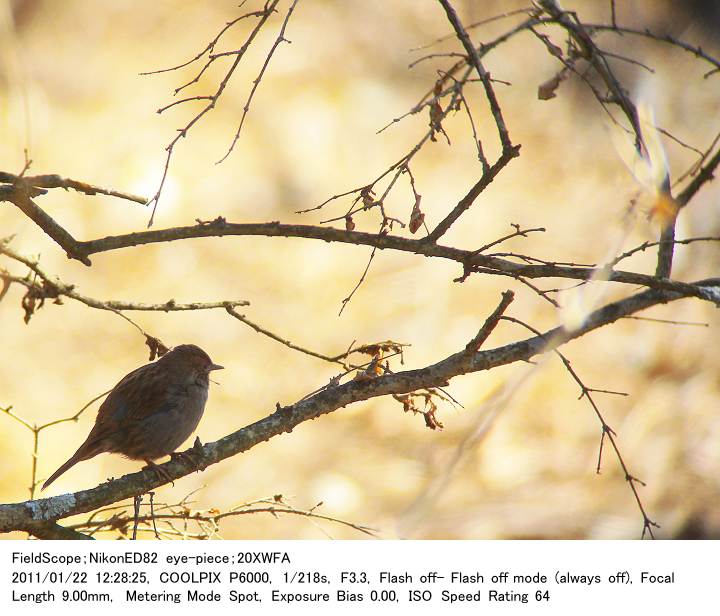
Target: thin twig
(256,82)
(359,282)
(182,133)
(57,181)
(482,73)
(607,431)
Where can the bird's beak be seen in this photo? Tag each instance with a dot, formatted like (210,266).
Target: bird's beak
(215,367)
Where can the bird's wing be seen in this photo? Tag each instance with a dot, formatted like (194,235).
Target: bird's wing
(143,392)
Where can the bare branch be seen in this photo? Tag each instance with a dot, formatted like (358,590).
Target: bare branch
(220,227)
(490,323)
(49,287)
(590,51)
(482,73)
(211,45)
(607,431)
(705,174)
(660,38)
(33,515)
(256,82)
(261,330)
(464,203)
(56,181)
(21,198)
(264,16)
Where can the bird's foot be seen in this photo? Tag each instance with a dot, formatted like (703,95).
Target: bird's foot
(161,472)
(193,455)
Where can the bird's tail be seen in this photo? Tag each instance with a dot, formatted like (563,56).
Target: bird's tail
(81,454)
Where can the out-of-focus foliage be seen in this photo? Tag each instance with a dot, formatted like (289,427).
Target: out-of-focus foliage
(71,95)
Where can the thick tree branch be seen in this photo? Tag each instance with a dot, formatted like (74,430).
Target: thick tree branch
(33,516)
(20,196)
(470,259)
(57,532)
(467,258)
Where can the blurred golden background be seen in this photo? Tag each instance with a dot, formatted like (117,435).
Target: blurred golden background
(72,95)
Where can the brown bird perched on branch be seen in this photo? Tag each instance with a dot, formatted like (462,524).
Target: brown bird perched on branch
(151,411)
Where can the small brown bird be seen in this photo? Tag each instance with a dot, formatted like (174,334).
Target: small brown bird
(151,411)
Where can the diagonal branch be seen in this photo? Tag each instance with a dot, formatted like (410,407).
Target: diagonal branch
(464,203)
(256,82)
(704,175)
(490,323)
(261,330)
(33,516)
(20,196)
(590,51)
(474,59)
(264,15)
